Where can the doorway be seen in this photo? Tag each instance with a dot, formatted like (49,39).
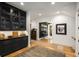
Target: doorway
(34,34)
(50,33)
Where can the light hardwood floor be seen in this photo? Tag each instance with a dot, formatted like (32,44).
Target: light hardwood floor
(66,50)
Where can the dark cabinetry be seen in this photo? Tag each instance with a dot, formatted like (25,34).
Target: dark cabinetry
(43,29)
(12,18)
(10,45)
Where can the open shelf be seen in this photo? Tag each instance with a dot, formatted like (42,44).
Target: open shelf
(43,29)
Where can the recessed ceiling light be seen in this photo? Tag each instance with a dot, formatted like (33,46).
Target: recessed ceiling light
(57,12)
(39,14)
(52,2)
(22,3)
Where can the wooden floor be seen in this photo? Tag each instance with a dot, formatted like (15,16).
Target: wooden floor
(66,50)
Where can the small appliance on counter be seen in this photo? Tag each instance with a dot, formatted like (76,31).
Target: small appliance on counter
(2,36)
(15,34)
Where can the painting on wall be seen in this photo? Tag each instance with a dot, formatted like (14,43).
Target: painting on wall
(61,29)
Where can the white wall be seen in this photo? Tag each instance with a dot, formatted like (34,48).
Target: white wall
(77,30)
(57,19)
(33,24)
(28,26)
(66,16)
(64,39)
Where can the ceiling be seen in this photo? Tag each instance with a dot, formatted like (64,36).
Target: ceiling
(46,8)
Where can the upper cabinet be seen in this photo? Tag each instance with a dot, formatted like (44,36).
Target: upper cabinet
(11,18)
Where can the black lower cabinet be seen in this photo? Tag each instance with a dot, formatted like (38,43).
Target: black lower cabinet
(11,45)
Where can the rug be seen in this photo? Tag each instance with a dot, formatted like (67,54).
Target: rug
(39,51)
